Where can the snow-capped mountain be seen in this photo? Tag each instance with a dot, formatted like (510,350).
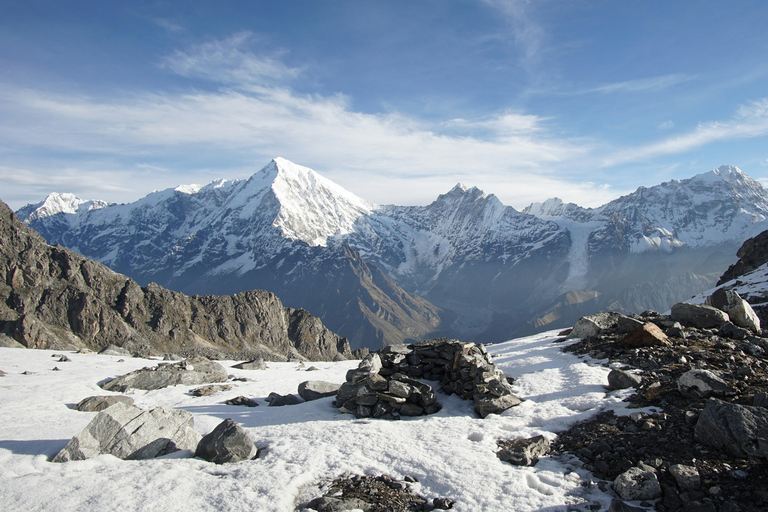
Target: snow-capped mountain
(463,265)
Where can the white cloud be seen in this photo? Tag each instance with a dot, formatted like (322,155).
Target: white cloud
(528,34)
(750,120)
(651,84)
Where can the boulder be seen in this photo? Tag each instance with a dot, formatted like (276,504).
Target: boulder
(314,389)
(738,309)
(99,403)
(495,404)
(698,315)
(731,330)
(130,433)
(523,452)
(647,335)
(278,400)
(637,484)
(254,364)
(687,477)
(620,379)
(592,325)
(198,370)
(702,384)
(740,430)
(228,442)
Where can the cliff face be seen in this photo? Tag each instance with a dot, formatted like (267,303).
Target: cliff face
(51,297)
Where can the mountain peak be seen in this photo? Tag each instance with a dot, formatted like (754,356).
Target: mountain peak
(56,203)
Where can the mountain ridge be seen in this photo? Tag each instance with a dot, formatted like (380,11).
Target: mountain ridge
(477,268)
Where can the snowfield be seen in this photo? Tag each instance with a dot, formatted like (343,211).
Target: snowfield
(451,453)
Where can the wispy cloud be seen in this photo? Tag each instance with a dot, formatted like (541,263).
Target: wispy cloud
(527,33)
(230,61)
(750,120)
(651,84)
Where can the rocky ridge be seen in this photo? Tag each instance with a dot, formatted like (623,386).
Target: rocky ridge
(51,297)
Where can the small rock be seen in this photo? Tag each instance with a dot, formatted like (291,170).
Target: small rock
(687,477)
(637,484)
(760,399)
(114,350)
(210,389)
(523,452)
(242,400)
(620,379)
(312,369)
(64,359)
(443,503)
(495,405)
(620,506)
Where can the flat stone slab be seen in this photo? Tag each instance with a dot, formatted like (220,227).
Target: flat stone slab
(189,372)
(99,403)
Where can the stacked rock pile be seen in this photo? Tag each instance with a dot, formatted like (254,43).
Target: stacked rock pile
(384,385)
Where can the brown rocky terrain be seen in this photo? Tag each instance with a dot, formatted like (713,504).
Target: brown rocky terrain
(51,297)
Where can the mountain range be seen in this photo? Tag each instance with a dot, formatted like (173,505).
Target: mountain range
(465,265)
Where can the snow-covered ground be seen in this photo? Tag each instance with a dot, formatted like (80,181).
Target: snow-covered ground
(451,453)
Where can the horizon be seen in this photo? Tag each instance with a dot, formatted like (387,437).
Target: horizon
(395,102)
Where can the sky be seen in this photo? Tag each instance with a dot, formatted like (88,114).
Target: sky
(396,101)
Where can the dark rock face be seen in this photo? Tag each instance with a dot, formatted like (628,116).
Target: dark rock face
(51,297)
(189,372)
(130,433)
(752,254)
(228,442)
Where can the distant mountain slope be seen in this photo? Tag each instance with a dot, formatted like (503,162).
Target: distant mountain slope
(51,297)
(464,265)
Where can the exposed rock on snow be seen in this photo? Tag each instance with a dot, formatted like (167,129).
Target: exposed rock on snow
(739,311)
(193,371)
(128,432)
(278,400)
(254,364)
(228,442)
(523,452)
(752,254)
(242,400)
(99,403)
(315,389)
(210,389)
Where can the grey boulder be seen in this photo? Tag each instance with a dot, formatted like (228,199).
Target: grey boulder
(702,384)
(254,364)
(130,433)
(495,405)
(740,430)
(637,484)
(620,379)
(315,389)
(228,442)
(739,310)
(278,400)
(523,452)
(698,315)
(190,372)
(99,403)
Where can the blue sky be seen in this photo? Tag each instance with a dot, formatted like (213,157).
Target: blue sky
(395,100)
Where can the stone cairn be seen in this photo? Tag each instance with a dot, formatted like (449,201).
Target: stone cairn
(384,385)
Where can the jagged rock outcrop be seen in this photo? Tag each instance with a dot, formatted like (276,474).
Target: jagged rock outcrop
(752,254)
(51,297)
